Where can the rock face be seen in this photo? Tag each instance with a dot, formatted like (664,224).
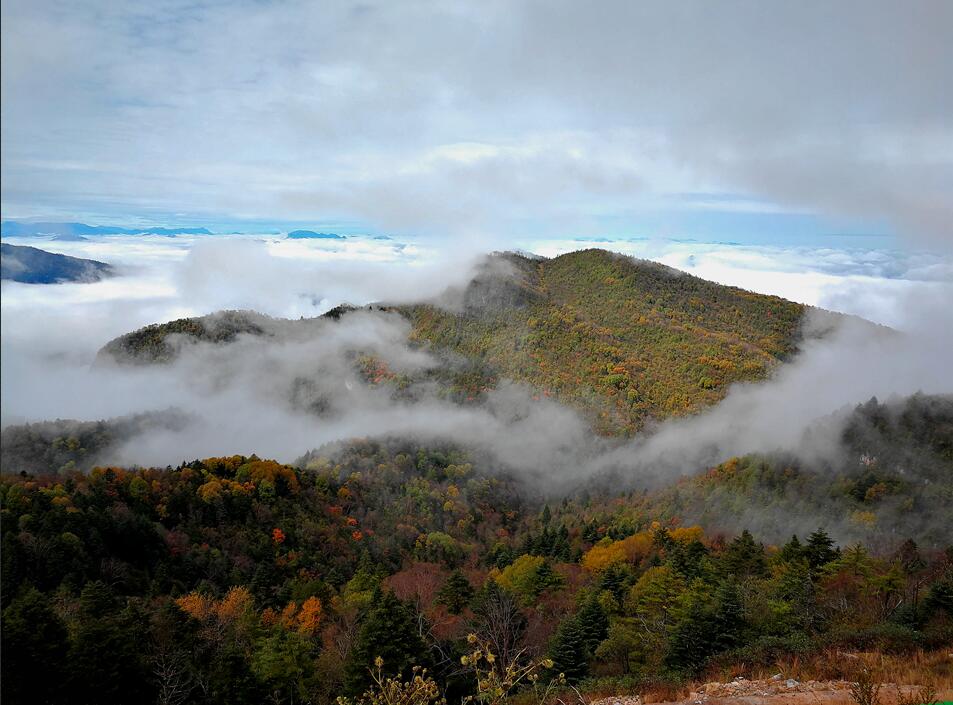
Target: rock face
(30,265)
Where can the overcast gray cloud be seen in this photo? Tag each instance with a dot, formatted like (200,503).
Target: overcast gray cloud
(475,119)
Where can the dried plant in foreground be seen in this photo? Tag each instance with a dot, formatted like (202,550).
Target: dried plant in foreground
(865,690)
(494,684)
(419,690)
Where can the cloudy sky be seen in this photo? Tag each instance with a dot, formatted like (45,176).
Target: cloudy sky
(486,122)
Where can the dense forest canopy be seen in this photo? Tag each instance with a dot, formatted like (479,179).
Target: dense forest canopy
(238,579)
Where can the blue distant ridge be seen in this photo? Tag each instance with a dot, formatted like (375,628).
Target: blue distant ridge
(32,266)
(11,228)
(311,235)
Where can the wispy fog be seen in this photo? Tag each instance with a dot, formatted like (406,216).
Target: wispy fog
(283,395)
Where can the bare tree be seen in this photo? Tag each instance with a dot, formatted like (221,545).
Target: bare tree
(173,676)
(500,622)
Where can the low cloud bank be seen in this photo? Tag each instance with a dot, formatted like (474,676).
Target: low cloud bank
(282,397)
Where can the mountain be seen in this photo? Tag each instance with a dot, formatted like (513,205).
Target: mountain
(622,340)
(11,228)
(891,469)
(263,578)
(63,445)
(30,265)
(312,235)
(158,343)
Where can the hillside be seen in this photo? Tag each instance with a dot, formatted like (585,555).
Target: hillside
(161,342)
(30,265)
(62,445)
(892,468)
(239,579)
(623,340)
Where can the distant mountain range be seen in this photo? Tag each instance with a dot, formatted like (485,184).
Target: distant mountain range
(30,265)
(11,228)
(312,235)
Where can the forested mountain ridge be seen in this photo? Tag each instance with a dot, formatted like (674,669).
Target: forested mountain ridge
(622,340)
(157,343)
(891,471)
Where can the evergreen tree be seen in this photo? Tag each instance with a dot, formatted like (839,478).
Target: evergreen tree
(106,659)
(705,627)
(792,551)
(456,592)
(743,557)
(727,621)
(909,557)
(569,651)
(820,550)
(593,623)
(690,560)
(34,647)
(690,640)
(940,597)
(562,550)
(500,556)
(389,631)
(617,579)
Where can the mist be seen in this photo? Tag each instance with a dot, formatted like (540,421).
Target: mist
(300,387)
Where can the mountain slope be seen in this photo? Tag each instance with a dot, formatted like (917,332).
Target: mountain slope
(161,342)
(888,475)
(30,265)
(621,338)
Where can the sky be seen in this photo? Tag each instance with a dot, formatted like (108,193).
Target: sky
(798,149)
(484,124)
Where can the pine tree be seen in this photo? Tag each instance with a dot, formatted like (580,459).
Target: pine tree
(389,631)
(569,652)
(594,624)
(728,620)
(689,560)
(34,646)
(456,592)
(561,547)
(106,658)
(690,640)
(819,550)
(743,557)
(617,579)
(792,551)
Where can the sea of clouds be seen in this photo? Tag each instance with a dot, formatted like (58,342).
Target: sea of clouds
(240,398)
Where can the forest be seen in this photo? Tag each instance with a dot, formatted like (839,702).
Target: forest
(239,579)
(400,570)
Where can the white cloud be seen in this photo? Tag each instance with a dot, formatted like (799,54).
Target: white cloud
(480,120)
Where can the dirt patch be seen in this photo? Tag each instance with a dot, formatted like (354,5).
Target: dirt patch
(777,690)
